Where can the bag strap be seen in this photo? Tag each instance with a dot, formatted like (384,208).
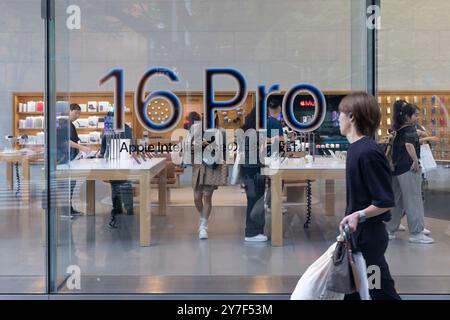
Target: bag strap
(349,245)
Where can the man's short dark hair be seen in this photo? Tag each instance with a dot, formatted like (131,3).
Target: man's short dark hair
(274,102)
(75,106)
(365,111)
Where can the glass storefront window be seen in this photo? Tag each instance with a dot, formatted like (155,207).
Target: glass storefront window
(22,234)
(119,222)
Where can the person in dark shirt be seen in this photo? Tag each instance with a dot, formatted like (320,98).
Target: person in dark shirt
(369,190)
(274,128)
(75,148)
(407,179)
(121,190)
(254,182)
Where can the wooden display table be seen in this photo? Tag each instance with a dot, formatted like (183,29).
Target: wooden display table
(100,169)
(322,168)
(24,159)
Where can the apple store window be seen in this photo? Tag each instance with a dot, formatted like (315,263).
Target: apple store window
(198,147)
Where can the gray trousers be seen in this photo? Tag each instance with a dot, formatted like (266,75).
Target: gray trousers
(408,199)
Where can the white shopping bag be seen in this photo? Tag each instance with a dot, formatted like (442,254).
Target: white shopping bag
(313,283)
(426,158)
(236,171)
(361,266)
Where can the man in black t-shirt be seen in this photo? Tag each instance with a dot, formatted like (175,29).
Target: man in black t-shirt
(274,129)
(75,148)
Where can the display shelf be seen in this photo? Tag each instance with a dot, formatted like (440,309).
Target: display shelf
(34,129)
(20,100)
(434,116)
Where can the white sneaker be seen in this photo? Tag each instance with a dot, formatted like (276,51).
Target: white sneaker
(391,235)
(426,232)
(258,238)
(421,238)
(202,234)
(401,228)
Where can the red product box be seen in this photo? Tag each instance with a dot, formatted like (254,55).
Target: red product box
(40,106)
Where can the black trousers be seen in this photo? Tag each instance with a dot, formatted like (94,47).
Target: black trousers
(73,183)
(373,240)
(121,192)
(254,189)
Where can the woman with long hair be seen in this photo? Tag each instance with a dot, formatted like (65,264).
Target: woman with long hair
(407,178)
(205,177)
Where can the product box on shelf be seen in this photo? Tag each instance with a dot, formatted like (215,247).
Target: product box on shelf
(92,106)
(92,122)
(40,138)
(101,123)
(103,106)
(81,123)
(94,137)
(40,106)
(84,138)
(31,106)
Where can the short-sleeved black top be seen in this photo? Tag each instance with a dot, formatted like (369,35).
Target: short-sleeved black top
(73,137)
(369,180)
(401,158)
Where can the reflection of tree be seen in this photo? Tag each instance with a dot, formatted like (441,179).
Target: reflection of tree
(135,15)
(148,19)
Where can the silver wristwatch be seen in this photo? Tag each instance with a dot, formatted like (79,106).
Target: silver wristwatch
(362,216)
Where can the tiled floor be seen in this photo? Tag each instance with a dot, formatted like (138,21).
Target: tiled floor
(112,261)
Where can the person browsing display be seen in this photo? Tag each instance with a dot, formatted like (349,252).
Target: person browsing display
(121,190)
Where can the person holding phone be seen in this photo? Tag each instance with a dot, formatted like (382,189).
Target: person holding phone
(206,177)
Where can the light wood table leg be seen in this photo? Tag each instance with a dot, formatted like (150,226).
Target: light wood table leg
(329,198)
(10,175)
(162,195)
(276,210)
(90,197)
(145,217)
(26,185)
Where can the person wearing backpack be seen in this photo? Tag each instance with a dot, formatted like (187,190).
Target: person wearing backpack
(406,175)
